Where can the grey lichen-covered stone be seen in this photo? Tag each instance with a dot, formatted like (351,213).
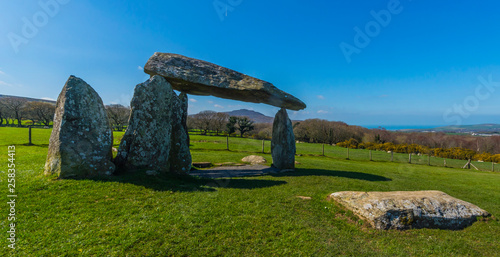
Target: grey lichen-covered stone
(155,138)
(410,209)
(81,142)
(180,156)
(283,142)
(184,107)
(199,77)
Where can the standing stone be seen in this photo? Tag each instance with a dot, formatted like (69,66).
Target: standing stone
(283,142)
(184,107)
(81,141)
(180,156)
(155,139)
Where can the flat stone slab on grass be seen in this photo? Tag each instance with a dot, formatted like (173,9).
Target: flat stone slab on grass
(410,209)
(234,171)
(199,77)
(254,159)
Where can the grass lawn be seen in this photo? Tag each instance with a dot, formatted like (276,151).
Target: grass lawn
(132,215)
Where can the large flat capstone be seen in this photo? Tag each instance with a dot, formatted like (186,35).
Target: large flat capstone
(199,77)
(410,209)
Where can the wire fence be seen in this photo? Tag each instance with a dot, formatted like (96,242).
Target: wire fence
(40,136)
(238,144)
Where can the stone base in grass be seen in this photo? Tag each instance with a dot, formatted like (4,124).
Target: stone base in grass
(410,209)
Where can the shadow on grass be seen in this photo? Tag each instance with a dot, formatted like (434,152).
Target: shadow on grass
(331,173)
(186,183)
(36,145)
(261,170)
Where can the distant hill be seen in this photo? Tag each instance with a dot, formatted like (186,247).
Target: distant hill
(29,99)
(256,117)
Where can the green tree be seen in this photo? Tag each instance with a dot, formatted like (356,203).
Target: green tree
(231,125)
(244,125)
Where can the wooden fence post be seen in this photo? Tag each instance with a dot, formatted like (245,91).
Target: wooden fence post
(492,166)
(392,156)
(227,142)
(262,145)
(409,158)
(29,136)
(444,159)
(323,149)
(347,153)
(429,159)
(371,155)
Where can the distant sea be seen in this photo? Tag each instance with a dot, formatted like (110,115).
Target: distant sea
(400,127)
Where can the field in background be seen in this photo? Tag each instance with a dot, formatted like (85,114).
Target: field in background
(138,215)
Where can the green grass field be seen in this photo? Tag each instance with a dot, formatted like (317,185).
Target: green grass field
(132,215)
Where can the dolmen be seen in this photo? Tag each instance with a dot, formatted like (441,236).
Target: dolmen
(199,77)
(156,140)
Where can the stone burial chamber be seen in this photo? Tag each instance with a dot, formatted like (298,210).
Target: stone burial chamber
(156,140)
(199,77)
(410,209)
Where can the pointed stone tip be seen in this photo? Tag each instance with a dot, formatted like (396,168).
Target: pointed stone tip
(73,77)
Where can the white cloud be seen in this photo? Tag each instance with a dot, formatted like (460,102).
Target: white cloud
(3,83)
(322,111)
(48,98)
(140,68)
(218,106)
(123,100)
(193,100)
(320,97)
(210,102)
(2,73)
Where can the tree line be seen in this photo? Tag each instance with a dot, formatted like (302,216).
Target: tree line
(437,144)
(15,110)
(219,122)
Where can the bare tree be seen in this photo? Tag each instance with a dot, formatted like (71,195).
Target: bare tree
(118,115)
(3,113)
(220,120)
(14,106)
(39,112)
(204,120)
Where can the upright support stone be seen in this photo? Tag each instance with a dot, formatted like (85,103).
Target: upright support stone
(184,106)
(180,157)
(283,142)
(156,138)
(81,140)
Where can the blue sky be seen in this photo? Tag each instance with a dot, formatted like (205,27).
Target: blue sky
(414,62)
